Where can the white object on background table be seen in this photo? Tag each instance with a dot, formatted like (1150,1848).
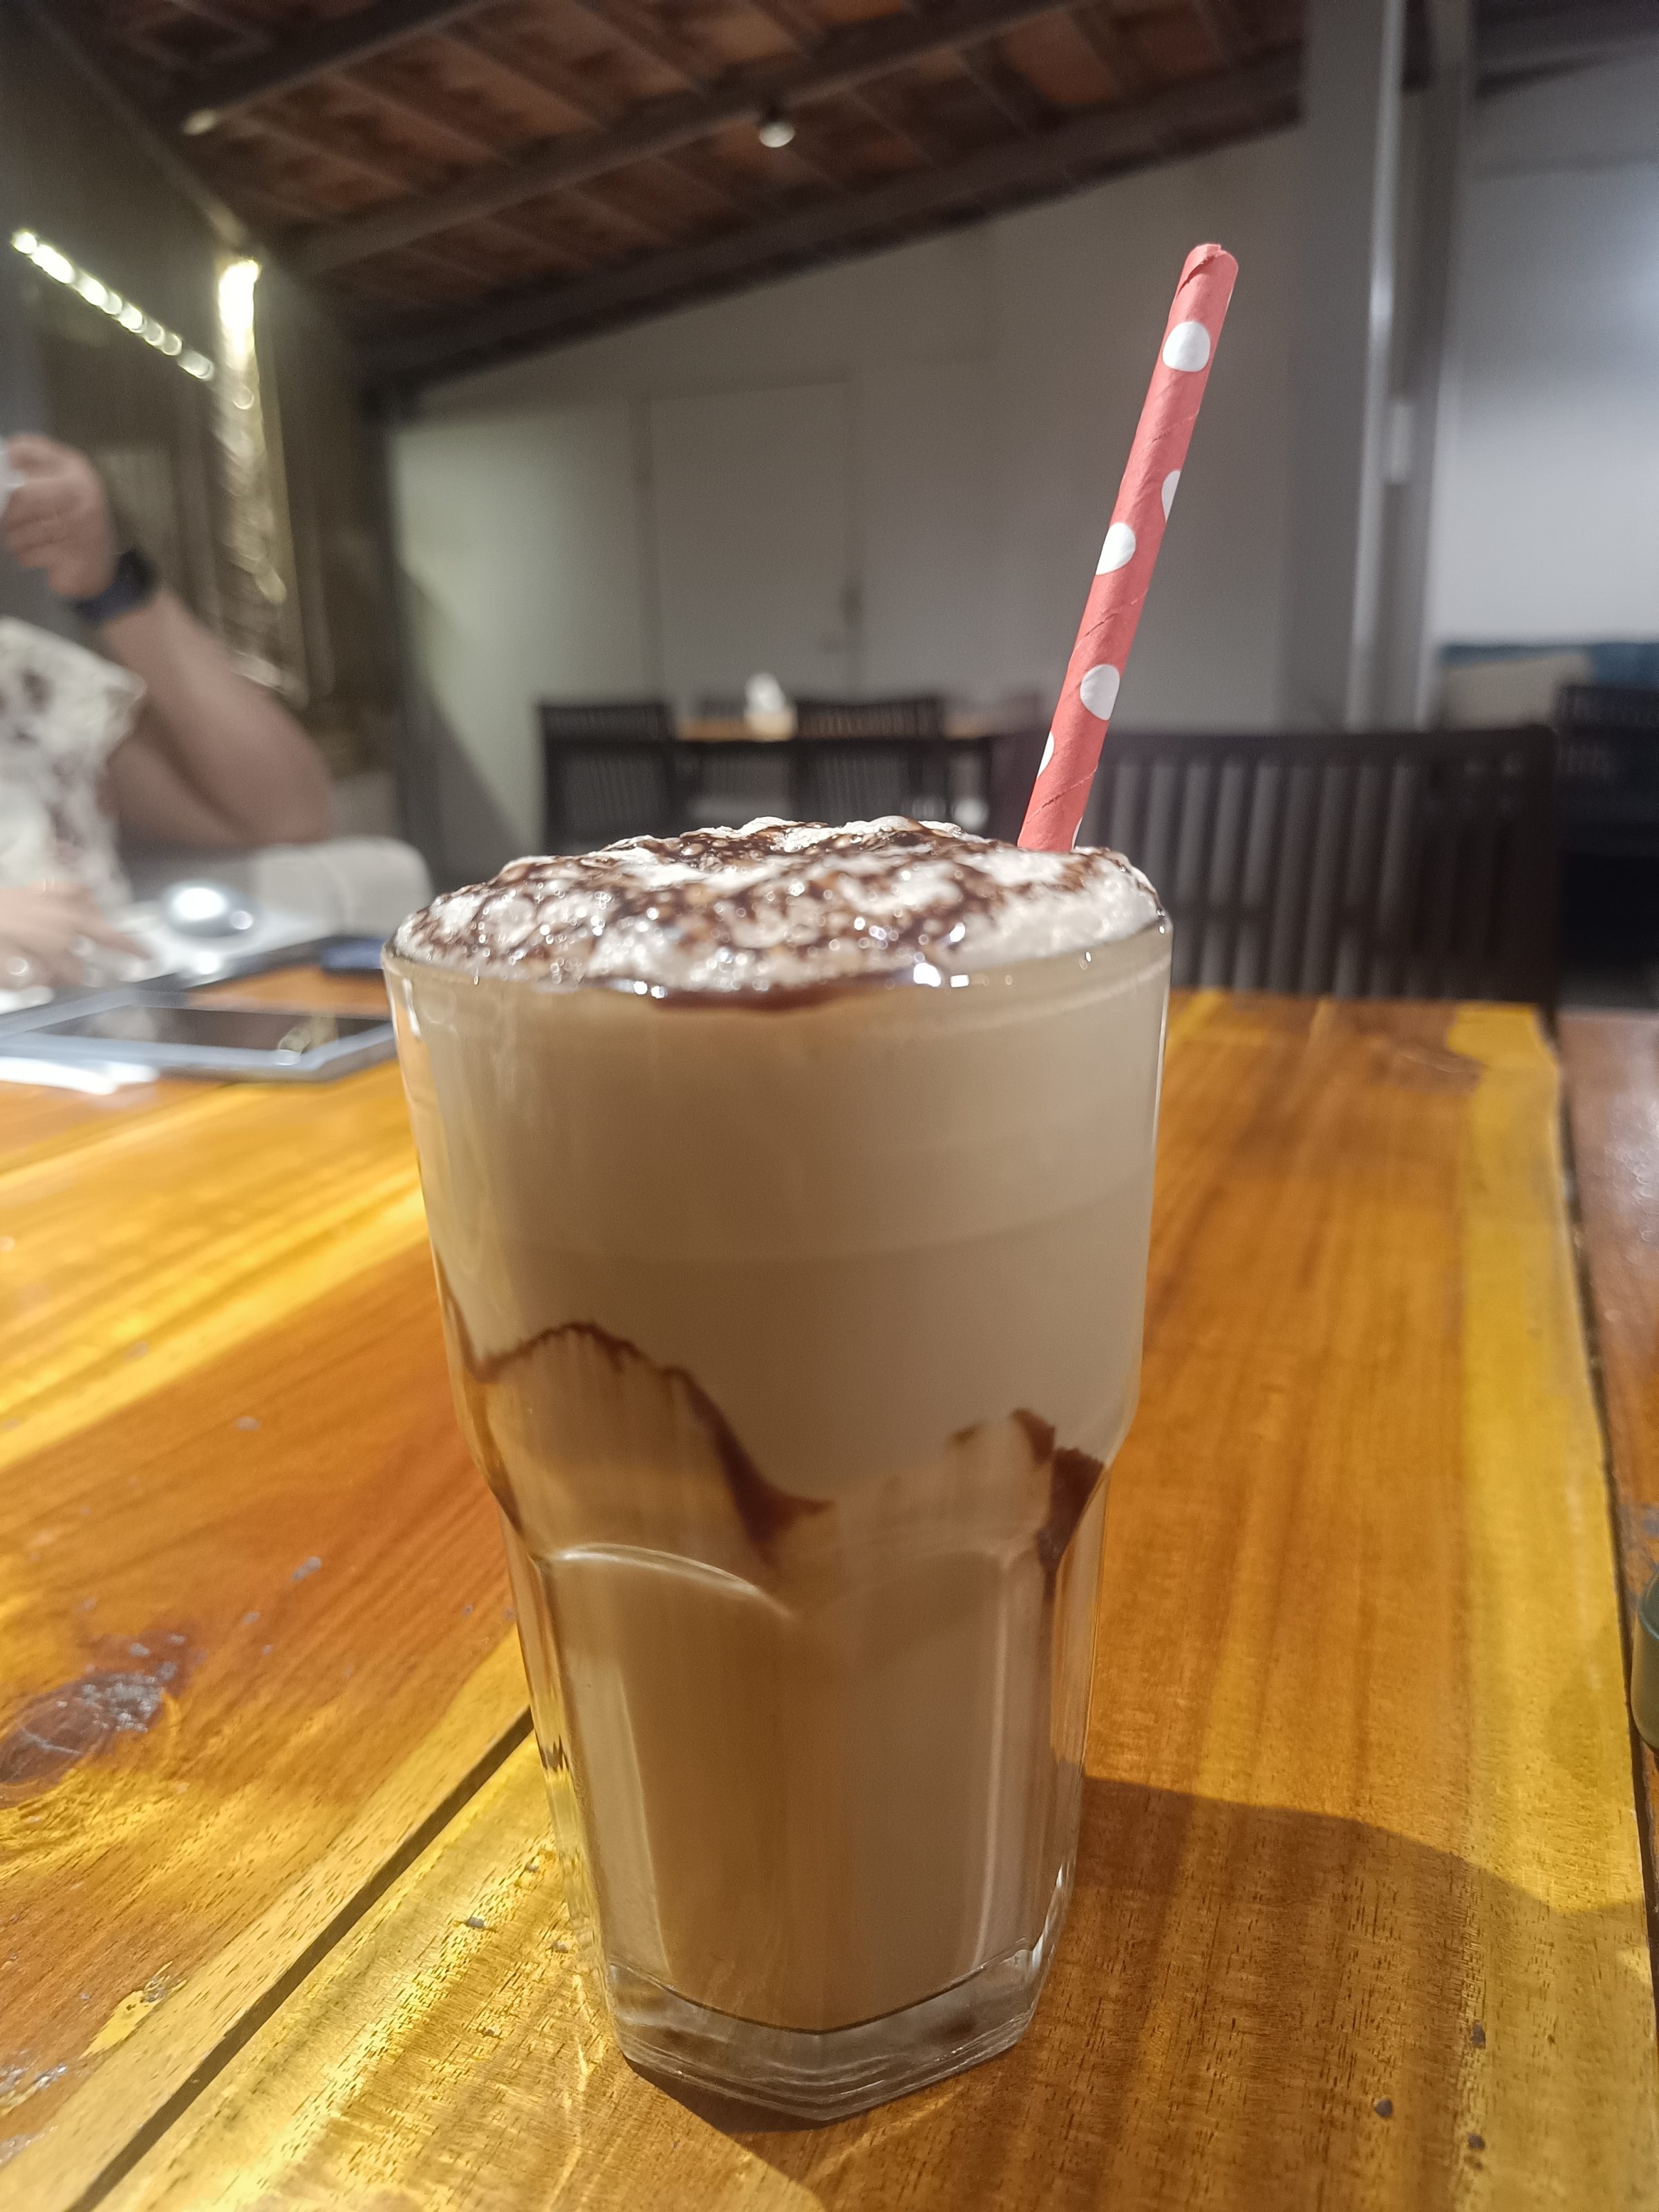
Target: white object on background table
(9,479)
(97,1079)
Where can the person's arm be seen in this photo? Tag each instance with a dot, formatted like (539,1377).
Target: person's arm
(216,761)
(212,749)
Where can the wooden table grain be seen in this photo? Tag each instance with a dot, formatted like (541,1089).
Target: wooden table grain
(254,1621)
(1359,1917)
(1612,1063)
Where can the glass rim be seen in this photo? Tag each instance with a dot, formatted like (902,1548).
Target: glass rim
(781,997)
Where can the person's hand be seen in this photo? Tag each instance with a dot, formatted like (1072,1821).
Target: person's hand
(47,932)
(58,518)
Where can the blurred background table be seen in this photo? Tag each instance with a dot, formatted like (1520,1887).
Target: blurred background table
(1359,1917)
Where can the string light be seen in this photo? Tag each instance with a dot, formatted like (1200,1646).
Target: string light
(96,294)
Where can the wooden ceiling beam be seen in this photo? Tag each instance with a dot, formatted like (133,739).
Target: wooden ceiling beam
(1095,144)
(198,102)
(846,61)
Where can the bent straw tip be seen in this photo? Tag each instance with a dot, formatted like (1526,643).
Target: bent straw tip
(1207,256)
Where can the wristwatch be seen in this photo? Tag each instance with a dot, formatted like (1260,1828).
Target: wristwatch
(133,586)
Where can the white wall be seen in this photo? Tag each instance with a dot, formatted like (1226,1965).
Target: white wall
(995,376)
(1547,495)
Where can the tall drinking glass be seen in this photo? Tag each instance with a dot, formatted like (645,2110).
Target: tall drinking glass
(794,1331)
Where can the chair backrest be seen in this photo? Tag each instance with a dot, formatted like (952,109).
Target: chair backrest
(1408,864)
(726,782)
(859,780)
(612,788)
(922,716)
(1607,706)
(563,720)
(1607,764)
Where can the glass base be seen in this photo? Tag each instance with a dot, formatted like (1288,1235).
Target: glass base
(814,2077)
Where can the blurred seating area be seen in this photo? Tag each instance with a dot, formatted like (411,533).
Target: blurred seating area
(503,494)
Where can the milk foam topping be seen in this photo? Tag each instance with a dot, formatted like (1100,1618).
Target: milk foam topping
(782,905)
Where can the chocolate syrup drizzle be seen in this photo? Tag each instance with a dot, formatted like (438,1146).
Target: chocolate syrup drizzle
(766,1511)
(1072,1477)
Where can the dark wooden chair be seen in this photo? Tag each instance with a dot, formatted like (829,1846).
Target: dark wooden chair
(567,719)
(858,759)
(1608,778)
(609,770)
(844,780)
(617,787)
(1607,768)
(728,781)
(922,716)
(1408,864)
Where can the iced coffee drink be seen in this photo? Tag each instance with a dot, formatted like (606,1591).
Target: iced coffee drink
(789,1190)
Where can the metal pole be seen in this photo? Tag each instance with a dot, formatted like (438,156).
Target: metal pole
(1343,336)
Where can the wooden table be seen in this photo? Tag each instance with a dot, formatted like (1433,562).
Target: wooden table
(1359,1919)
(1612,1068)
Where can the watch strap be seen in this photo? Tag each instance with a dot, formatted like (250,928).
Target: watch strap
(132,586)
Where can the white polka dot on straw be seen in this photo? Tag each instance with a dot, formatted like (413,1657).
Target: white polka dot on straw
(1098,689)
(1118,551)
(1187,346)
(1048,753)
(1170,484)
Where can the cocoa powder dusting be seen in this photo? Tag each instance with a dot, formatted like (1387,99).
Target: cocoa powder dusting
(778,908)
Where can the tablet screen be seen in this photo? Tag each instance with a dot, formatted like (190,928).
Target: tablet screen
(241,1028)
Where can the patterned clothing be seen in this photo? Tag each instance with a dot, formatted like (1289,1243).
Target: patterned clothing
(63,712)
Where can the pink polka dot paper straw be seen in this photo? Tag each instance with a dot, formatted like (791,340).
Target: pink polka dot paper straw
(1130,553)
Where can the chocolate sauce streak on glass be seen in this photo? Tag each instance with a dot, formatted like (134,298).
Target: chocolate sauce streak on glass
(766,1511)
(1073,1476)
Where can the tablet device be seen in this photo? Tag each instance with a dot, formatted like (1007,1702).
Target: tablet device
(176,1034)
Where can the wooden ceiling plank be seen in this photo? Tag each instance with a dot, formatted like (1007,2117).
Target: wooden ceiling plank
(1113,48)
(556,82)
(613,212)
(319,143)
(847,61)
(1015,100)
(1012,95)
(636,26)
(1104,139)
(522,229)
(502,57)
(1219,21)
(471,145)
(336,44)
(234,22)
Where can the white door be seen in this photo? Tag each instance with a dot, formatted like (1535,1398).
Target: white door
(752,506)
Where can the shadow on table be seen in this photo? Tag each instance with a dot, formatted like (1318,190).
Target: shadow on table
(1258,2008)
